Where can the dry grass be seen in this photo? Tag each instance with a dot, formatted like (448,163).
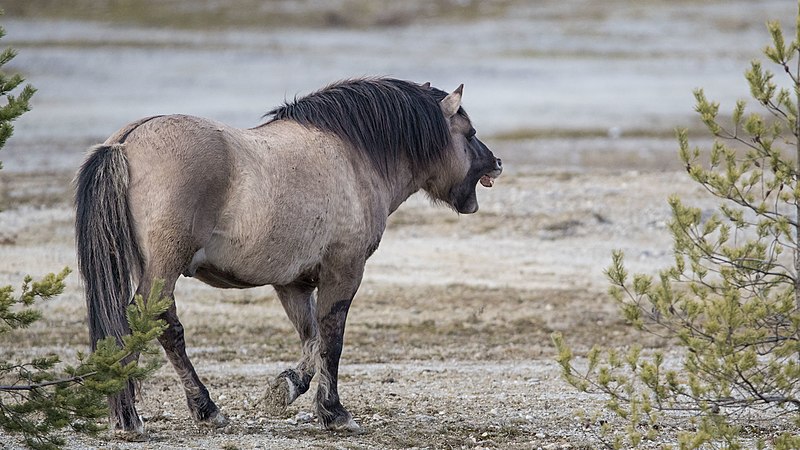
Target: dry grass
(426,363)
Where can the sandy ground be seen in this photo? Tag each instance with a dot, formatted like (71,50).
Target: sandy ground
(448,343)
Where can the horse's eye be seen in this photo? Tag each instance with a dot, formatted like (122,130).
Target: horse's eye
(471,134)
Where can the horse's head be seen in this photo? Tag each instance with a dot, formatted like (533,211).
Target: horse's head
(467,161)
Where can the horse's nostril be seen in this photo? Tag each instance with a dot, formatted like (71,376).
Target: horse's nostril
(499,162)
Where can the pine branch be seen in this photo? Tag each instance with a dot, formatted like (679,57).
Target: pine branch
(31,409)
(33,387)
(731,301)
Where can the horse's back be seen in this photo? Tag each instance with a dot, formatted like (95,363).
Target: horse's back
(295,195)
(261,205)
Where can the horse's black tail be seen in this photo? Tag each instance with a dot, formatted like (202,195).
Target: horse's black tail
(108,254)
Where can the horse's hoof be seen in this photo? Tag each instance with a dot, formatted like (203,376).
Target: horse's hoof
(218,420)
(345,424)
(136,435)
(277,397)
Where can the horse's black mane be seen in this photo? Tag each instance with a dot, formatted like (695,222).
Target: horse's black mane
(384,118)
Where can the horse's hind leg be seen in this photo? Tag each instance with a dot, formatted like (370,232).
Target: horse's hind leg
(172,340)
(298,303)
(125,421)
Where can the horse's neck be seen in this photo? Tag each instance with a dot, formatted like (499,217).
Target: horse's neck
(401,185)
(386,193)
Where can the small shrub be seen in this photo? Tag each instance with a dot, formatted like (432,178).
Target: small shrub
(731,301)
(38,397)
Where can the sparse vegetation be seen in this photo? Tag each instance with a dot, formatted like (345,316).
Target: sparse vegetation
(447,344)
(41,396)
(731,301)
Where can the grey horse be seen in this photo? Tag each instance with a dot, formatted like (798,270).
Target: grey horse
(299,202)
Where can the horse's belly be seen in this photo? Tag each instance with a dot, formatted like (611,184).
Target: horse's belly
(214,277)
(257,262)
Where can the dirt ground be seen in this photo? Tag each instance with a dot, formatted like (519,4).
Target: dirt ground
(448,342)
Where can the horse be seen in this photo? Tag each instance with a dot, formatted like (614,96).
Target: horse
(299,203)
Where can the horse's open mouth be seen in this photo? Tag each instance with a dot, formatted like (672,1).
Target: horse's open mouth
(488,179)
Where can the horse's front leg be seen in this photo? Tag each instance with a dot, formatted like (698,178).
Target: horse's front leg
(336,292)
(298,302)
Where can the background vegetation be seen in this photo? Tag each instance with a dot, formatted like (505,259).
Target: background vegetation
(731,302)
(40,396)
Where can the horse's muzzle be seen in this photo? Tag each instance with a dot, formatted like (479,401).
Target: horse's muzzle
(487,180)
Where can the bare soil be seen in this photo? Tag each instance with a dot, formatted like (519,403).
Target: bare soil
(448,343)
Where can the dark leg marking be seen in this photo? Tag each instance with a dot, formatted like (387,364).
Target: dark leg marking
(329,409)
(301,381)
(200,404)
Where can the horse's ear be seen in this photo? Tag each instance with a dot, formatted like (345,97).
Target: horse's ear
(452,102)
(427,85)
